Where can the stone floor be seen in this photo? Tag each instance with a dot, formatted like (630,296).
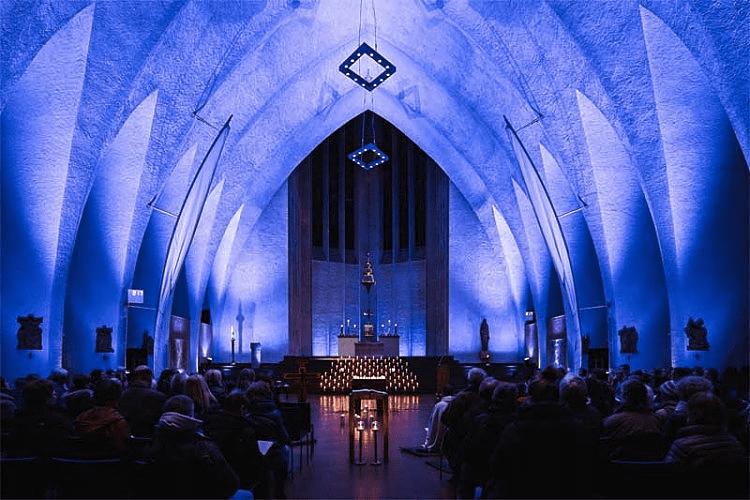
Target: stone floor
(329,474)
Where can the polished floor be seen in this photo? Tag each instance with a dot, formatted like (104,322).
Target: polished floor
(329,473)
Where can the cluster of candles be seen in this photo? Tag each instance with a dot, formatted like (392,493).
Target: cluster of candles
(363,423)
(395,371)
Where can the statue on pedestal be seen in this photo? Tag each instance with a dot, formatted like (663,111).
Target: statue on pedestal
(484,337)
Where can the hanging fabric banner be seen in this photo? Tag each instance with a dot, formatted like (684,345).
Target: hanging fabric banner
(182,237)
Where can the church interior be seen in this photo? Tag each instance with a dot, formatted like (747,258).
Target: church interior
(374,195)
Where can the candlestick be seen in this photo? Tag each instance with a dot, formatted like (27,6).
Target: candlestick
(360,428)
(375,429)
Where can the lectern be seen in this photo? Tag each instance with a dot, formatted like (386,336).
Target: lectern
(356,397)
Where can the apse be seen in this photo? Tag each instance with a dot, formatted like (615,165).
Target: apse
(584,165)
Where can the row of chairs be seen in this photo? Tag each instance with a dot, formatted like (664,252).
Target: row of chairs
(63,477)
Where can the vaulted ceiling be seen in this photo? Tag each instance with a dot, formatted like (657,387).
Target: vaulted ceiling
(604,142)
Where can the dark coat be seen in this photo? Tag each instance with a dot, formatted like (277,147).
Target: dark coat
(187,464)
(238,441)
(141,406)
(544,453)
(697,445)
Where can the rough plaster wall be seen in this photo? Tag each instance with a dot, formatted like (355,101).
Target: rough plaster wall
(479,288)
(517,58)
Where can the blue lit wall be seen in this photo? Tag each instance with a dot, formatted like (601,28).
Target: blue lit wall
(636,115)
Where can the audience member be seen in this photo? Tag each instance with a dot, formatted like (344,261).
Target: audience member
(140,404)
(705,440)
(666,401)
(453,418)
(484,434)
(633,431)
(177,383)
(543,433)
(686,387)
(215,382)
(40,427)
(435,428)
(197,389)
(573,397)
(187,464)
(164,384)
(716,460)
(600,392)
(269,426)
(80,398)
(238,440)
(246,377)
(103,430)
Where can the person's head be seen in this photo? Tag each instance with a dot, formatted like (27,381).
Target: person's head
(543,389)
(181,404)
(96,375)
(107,392)
(177,384)
(197,389)
(475,377)
(705,408)
(143,374)
(693,384)
(680,372)
(235,403)
(38,394)
(573,391)
(164,384)
(214,378)
(246,377)
(487,387)
(81,381)
(505,395)
(599,374)
(59,376)
(259,390)
(634,393)
(668,391)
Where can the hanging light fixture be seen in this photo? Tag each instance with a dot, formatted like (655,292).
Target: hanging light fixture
(368,156)
(371,58)
(368,276)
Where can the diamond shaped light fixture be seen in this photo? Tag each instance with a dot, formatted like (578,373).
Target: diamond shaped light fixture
(368,156)
(374,59)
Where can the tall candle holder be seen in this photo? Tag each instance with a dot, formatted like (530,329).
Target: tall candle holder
(360,429)
(375,429)
(233,341)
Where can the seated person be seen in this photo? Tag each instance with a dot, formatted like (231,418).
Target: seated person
(237,438)
(103,430)
(140,404)
(633,430)
(186,463)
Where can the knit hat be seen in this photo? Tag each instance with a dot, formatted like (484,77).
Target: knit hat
(668,391)
(180,404)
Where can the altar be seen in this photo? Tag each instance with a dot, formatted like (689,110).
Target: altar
(385,346)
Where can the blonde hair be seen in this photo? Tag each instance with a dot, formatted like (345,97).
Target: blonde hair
(196,388)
